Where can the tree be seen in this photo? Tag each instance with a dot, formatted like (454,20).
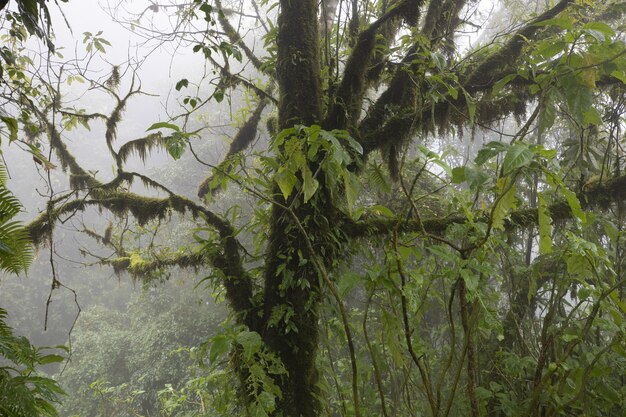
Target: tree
(350,82)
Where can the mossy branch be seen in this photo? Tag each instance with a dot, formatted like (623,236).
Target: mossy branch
(348,100)
(141,147)
(441,19)
(244,137)
(600,195)
(236,39)
(500,62)
(238,284)
(142,269)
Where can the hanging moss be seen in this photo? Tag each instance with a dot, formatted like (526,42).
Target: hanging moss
(244,137)
(113,120)
(500,62)
(119,264)
(141,147)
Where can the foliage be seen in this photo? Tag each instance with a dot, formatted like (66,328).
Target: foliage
(122,359)
(15,247)
(23,393)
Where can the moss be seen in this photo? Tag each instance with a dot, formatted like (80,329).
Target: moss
(113,120)
(119,264)
(244,137)
(141,147)
(502,61)
(298,64)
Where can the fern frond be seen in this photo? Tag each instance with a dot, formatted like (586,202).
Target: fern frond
(378,178)
(4,175)
(16,251)
(9,205)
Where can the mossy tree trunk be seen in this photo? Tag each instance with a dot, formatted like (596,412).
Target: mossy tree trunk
(292,284)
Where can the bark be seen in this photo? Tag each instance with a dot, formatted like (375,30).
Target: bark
(292,288)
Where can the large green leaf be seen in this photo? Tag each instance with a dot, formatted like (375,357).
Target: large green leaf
(518,155)
(310,184)
(545,226)
(286,180)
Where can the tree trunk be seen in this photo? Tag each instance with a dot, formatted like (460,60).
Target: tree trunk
(292,283)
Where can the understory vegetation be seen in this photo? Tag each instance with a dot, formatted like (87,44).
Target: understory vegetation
(336,208)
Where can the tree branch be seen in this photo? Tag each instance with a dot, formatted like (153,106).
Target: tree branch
(499,63)
(600,195)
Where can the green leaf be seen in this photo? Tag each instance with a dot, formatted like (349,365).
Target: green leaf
(505,203)
(220,345)
(381,210)
(620,75)
(547,115)
(592,116)
(562,22)
(471,107)
(218,95)
(545,226)
(51,359)
(251,343)
(11,124)
(603,28)
(549,48)
(176,145)
(471,279)
(458,175)
(351,185)
(519,155)
(497,87)
(578,95)
(286,180)
(574,204)
(490,150)
(476,178)
(310,184)
(163,125)
(182,84)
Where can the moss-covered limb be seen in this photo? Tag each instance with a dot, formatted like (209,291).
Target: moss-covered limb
(244,137)
(601,195)
(442,18)
(499,63)
(84,116)
(298,64)
(111,124)
(398,100)
(520,82)
(144,209)
(141,147)
(114,118)
(347,103)
(105,239)
(79,177)
(143,269)
(236,39)
(397,113)
(230,79)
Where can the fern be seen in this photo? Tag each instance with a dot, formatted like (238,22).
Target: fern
(22,392)
(16,251)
